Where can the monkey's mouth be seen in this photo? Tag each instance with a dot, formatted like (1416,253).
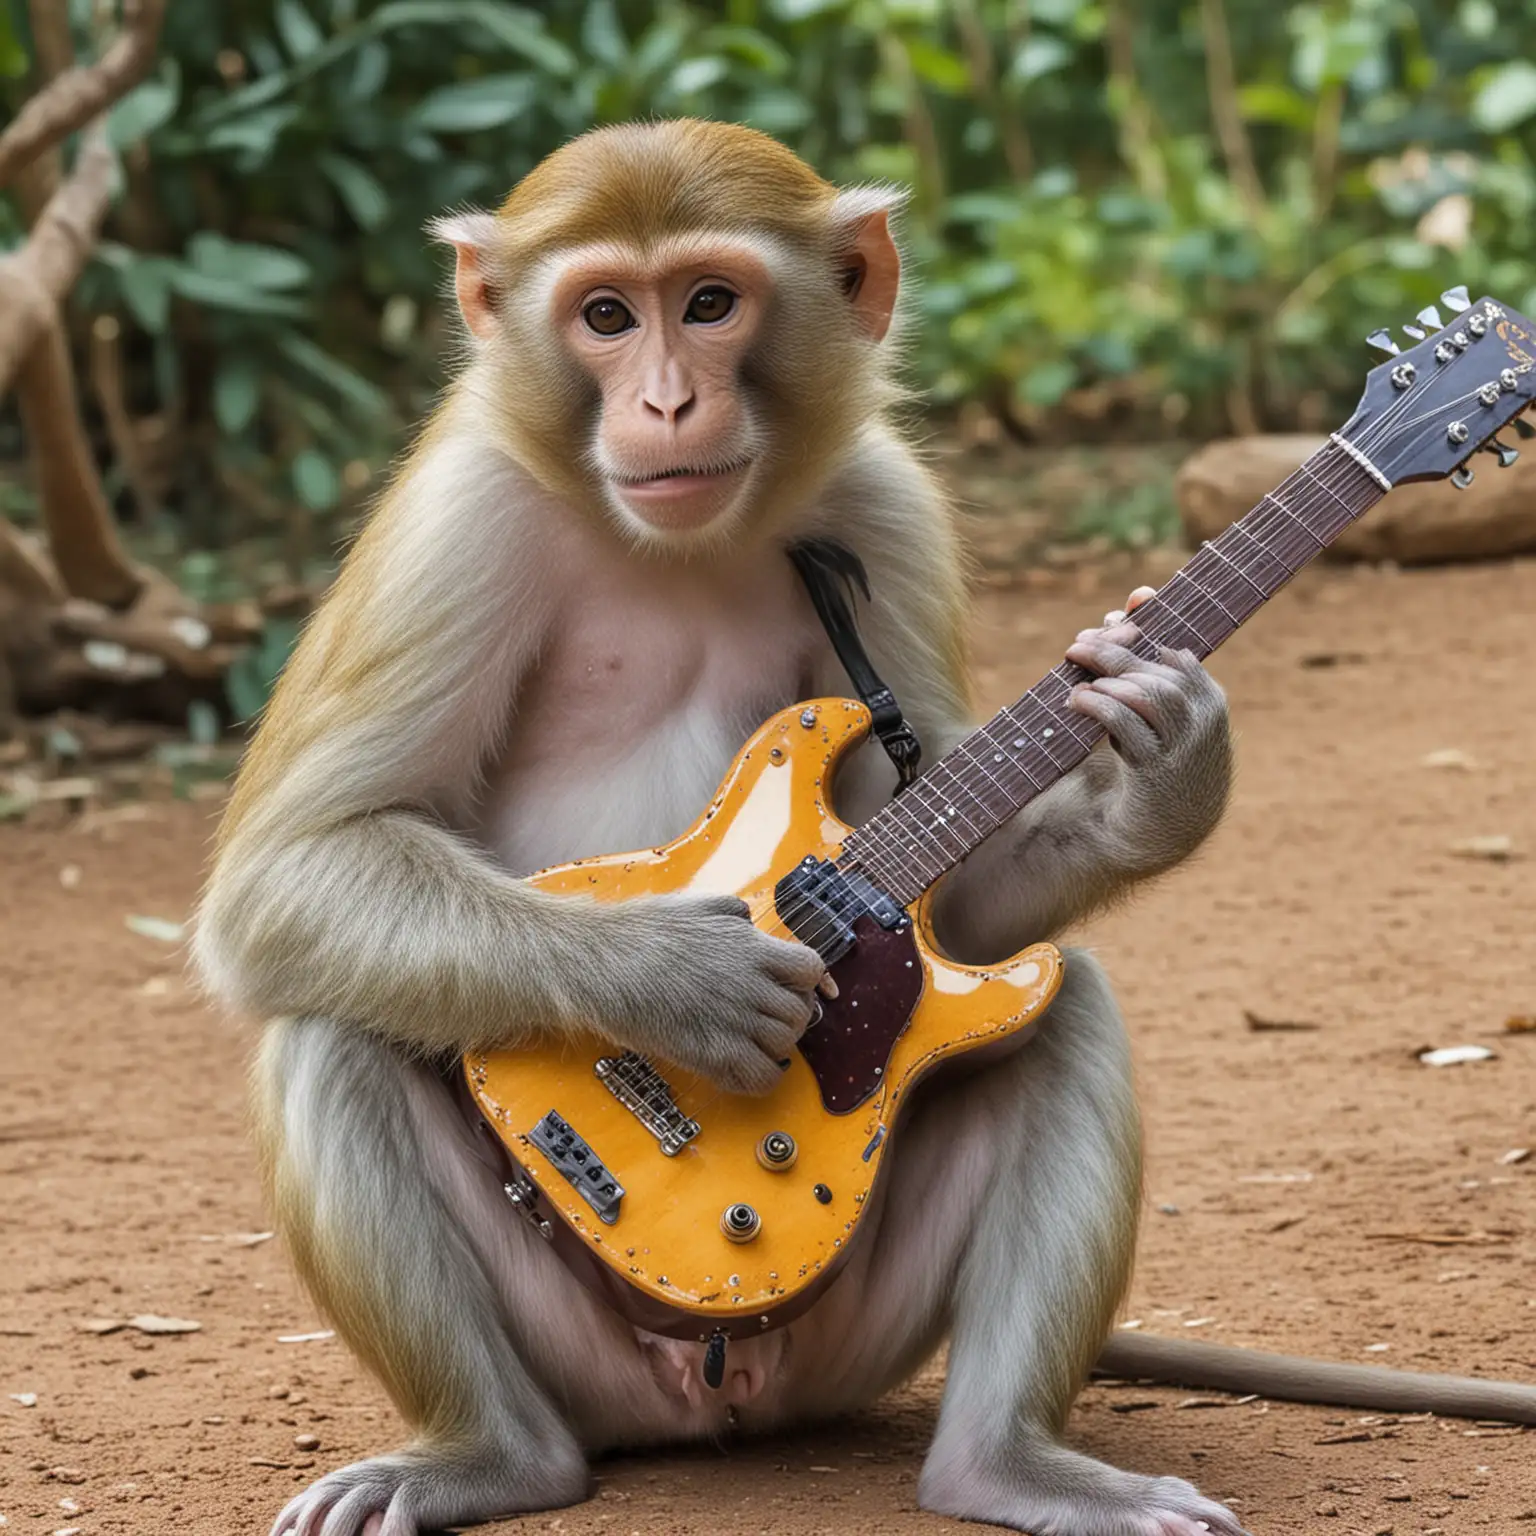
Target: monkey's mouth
(682,480)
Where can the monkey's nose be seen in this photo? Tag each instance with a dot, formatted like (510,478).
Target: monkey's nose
(670,405)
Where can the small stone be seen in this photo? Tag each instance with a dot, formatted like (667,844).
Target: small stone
(1167,1208)
(1327,1509)
(306,1442)
(1397,1498)
(277,1392)
(66,1475)
(138,1372)
(26,1399)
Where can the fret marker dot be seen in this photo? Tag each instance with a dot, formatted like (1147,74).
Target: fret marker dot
(1018,741)
(1048,731)
(997,757)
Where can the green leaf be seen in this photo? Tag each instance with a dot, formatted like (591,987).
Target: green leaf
(13,57)
(256,134)
(938,66)
(1264,103)
(315,480)
(472,105)
(1046,383)
(237,297)
(236,394)
(603,36)
(261,266)
(145,108)
(1507,97)
(363,396)
(695,75)
(360,190)
(760,53)
(297,28)
(145,283)
(1039,55)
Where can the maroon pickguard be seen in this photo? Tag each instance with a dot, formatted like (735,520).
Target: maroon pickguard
(879,982)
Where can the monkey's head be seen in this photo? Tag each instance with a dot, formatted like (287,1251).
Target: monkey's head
(679,325)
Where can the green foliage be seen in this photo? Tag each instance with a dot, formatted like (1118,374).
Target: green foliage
(1103,229)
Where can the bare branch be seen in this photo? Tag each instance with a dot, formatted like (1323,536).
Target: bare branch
(36,278)
(78,95)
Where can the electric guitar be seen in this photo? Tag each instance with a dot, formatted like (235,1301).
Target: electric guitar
(703,1215)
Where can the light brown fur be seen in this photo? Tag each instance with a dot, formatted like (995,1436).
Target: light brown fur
(512,671)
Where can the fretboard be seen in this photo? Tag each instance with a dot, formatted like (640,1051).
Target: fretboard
(1024,749)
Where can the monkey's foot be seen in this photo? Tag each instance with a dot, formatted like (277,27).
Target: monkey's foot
(1057,1492)
(414,1491)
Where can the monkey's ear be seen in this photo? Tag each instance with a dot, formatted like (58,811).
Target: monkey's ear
(471,235)
(868,261)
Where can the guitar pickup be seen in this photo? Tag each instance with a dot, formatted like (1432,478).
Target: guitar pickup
(582,1166)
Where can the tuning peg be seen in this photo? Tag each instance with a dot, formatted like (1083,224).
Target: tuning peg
(1455,299)
(1414,331)
(1430,316)
(1524,428)
(1382,341)
(1461,478)
(1505,454)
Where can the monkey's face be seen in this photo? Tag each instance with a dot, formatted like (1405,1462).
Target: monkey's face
(677,442)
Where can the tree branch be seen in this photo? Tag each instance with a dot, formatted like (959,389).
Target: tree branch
(1226,112)
(78,95)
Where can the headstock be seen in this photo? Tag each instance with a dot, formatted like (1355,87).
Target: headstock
(1428,409)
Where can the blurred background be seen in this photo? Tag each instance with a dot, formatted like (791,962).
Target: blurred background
(1135,226)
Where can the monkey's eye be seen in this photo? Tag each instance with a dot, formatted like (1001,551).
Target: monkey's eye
(709,305)
(607,317)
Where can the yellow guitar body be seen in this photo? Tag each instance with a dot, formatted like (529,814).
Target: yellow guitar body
(674,1250)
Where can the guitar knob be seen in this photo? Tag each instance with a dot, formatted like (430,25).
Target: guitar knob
(777,1152)
(740,1223)
(1430,316)
(1523,428)
(1504,453)
(1382,341)
(1455,299)
(1462,478)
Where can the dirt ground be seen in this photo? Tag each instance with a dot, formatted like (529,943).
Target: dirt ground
(1296,1177)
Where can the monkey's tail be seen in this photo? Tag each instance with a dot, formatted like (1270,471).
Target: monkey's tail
(1225,1368)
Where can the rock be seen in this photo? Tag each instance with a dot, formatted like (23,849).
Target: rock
(306,1442)
(1425,523)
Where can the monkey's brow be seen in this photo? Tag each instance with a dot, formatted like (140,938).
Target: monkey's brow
(619,261)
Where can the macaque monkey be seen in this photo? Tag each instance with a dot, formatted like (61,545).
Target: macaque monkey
(563,619)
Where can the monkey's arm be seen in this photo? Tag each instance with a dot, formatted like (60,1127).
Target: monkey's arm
(341,888)
(1127,813)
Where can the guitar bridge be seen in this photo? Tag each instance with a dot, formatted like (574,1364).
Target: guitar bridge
(580,1164)
(647,1095)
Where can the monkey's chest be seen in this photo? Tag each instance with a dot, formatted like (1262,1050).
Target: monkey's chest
(625,731)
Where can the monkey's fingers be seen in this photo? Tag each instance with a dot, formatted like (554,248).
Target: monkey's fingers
(1135,600)
(827,987)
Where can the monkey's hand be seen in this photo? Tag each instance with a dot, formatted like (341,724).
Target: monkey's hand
(1167,719)
(690,980)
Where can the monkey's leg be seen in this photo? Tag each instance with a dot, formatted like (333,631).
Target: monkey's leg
(1046,1264)
(350,1162)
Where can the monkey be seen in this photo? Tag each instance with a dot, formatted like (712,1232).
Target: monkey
(564,616)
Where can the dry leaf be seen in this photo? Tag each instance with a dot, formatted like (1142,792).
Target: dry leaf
(1520,1024)
(156,928)
(237,1239)
(1198,1322)
(1456,1055)
(101,1325)
(1259,1025)
(306,1338)
(147,1322)
(69,877)
(1438,1239)
(1515,1155)
(26,1399)
(1449,757)
(1497,846)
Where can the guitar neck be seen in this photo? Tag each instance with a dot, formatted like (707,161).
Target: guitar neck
(1024,749)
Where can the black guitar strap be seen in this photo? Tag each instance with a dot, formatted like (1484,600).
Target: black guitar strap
(833,576)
